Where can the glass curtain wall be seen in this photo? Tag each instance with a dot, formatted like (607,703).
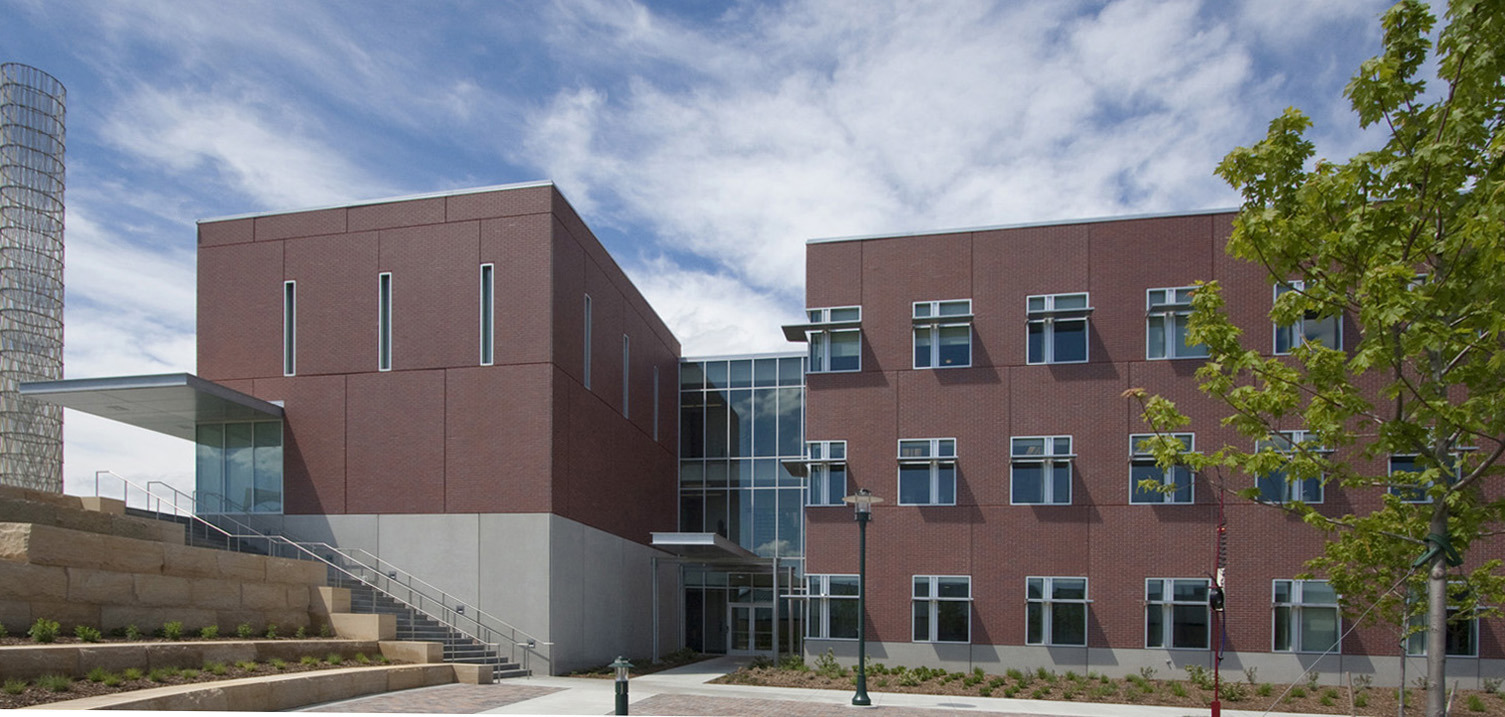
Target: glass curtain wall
(739,420)
(239,467)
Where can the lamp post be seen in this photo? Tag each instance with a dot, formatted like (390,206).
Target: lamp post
(862,504)
(621,666)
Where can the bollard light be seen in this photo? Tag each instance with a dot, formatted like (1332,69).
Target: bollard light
(621,666)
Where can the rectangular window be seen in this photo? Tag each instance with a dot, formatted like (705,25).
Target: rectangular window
(1166,314)
(943,334)
(626,372)
(655,403)
(1407,483)
(586,373)
(836,343)
(1176,614)
(827,461)
(384,322)
(289,328)
(1311,327)
(1040,470)
(942,608)
(1462,636)
(927,471)
(1177,481)
(832,607)
(1057,328)
(1056,611)
(488,314)
(1305,616)
(1278,486)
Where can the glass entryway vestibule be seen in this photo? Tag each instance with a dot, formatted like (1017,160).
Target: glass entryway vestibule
(238,467)
(751,627)
(735,612)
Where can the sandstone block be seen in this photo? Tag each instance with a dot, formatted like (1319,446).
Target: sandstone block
(110,506)
(161,590)
(326,600)
(213,594)
(261,596)
(99,586)
(226,652)
(20,581)
(113,658)
(297,597)
(473,674)
(26,662)
(15,615)
(185,562)
(421,652)
(287,621)
(406,677)
(15,541)
(299,572)
(67,614)
(364,627)
(28,512)
(144,618)
(241,566)
(250,696)
(56,546)
(228,620)
(129,555)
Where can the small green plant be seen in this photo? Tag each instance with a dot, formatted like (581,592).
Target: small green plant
(158,674)
(985,692)
(1235,692)
(133,633)
(1251,673)
(86,633)
(43,631)
(215,668)
(1489,684)
(209,632)
(1361,700)
(1297,692)
(909,680)
(1178,689)
(246,666)
(244,631)
(131,674)
(55,683)
(172,630)
(277,663)
(791,662)
(3,631)
(325,630)
(97,674)
(1326,701)
(997,682)
(1038,694)
(1068,694)
(1199,676)
(334,658)
(380,659)
(14,686)
(1147,672)
(827,665)
(878,681)
(362,659)
(308,660)
(1264,689)
(301,633)
(189,673)
(1311,680)
(1475,704)
(1014,674)
(271,631)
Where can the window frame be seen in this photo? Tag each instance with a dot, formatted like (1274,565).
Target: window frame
(932,323)
(1295,605)
(1047,461)
(384,291)
(1416,642)
(1297,330)
(1293,438)
(1047,316)
(1047,601)
(1402,493)
(823,328)
(1168,311)
(1138,458)
(818,615)
(488,314)
(586,373)
(819,458)
(935,457)
(290,328)
(626,375)
(933,607)
(1167,605)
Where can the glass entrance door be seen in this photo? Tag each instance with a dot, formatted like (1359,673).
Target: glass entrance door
(751,627)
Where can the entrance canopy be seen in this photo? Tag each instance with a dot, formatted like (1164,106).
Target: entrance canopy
(171,403)
(705,547)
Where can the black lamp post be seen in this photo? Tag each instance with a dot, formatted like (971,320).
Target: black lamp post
(862,504)
(621,666)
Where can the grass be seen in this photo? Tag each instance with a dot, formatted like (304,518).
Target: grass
(98,674)
(14,686)
(131,674)
(278,663)
(55,683)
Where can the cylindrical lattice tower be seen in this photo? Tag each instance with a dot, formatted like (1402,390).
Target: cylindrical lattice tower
(31,274)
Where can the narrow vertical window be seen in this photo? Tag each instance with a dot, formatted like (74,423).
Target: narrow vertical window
(586,375)
(289,328)
(655,403)
(626,372)
(488,314)
(384,322)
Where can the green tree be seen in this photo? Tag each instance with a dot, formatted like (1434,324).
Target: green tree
(1406,242)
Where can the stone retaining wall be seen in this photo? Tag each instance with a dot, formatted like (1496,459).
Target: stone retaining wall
(76,660)
(78,577)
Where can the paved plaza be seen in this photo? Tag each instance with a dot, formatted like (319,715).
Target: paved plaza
(685,691)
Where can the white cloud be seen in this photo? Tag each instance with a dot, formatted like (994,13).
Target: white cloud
(713,313)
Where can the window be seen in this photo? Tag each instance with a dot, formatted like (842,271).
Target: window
(626,372)
(1057,328)
(832,607)
(488,314)
(1309,328)
(1040,470)
(1055,611)
(1306,616)
(384,322)
(1413,491)
(943,334)
(1142,468)
(942,608)
(1278,487)
(289,328)
(1176,613)
(1462,636)
(836,344)
(655,403)
(927,471)
(1166,314)
(586,374)
(828,472)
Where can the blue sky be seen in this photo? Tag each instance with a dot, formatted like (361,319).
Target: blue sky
(703,141)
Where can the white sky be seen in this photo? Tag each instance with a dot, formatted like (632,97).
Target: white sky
(704,142)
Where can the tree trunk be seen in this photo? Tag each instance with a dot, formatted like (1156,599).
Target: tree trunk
(1437,618)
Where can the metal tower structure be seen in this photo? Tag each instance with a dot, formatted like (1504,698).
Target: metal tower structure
(32,106)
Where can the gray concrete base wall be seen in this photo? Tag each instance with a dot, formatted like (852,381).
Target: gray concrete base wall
(1274,668)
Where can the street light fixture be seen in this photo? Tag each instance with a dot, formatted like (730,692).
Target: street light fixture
(621,667)
(862,504)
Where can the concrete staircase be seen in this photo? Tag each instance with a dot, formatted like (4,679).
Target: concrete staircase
(413,625)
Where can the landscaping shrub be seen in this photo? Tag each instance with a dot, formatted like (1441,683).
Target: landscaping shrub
(158,674)
(172,630)
(44,630)
(86,633)
(325,630)
(215,668)
(302,633)
(98,674)
(189,673)
(278,663)
(14,686)
(334,658)
(133,633)
(271,631)
(361,658)
(309,660)
(246,666)
(243,631)
(131,674)
(55,683)
(3,631)
(209,632)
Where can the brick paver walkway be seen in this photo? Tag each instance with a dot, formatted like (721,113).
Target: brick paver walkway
(667,704)
(447,699)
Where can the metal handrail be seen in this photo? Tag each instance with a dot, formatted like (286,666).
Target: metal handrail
(234,539)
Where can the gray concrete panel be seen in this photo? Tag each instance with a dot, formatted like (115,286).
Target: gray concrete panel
(440,549)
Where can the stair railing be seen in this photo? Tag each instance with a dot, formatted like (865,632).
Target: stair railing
(443,608)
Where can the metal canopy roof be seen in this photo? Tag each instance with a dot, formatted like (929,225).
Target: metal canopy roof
(171,403)
(706,547)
